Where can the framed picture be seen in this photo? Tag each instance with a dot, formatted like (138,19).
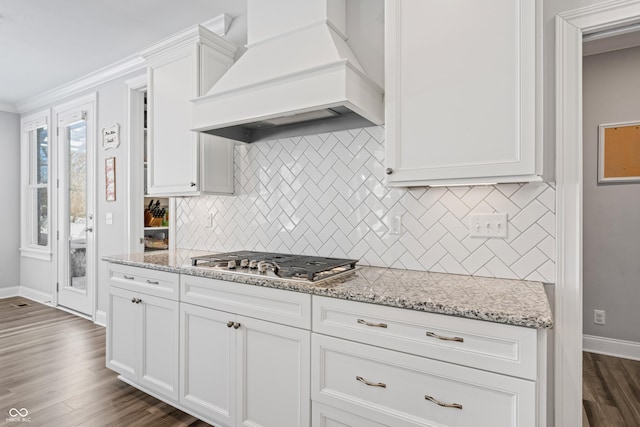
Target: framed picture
(619,152)
(110,178)
(111,136)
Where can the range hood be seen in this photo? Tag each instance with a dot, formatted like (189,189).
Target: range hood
(298,77)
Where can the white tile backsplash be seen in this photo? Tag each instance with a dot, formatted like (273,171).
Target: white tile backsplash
(323,195)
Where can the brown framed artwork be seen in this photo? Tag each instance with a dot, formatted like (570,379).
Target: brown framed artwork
(619,152)
(110,178)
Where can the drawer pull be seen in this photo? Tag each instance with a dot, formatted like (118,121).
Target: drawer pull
(446,405)
(153,282)
(376,325)
(362,380)
(440,337)
(128,277)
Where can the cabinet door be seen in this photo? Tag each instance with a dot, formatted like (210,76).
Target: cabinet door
(173,147)
(123,334)
(208,363)
(159,350)
(273,374)
(460,91)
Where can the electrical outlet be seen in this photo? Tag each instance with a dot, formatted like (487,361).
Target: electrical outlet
(396,224)
(109,218)
(488,225)
(599,317)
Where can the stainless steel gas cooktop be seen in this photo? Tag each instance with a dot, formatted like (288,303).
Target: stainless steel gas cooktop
(300,268)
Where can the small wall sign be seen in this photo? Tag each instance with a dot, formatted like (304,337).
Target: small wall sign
(111,136)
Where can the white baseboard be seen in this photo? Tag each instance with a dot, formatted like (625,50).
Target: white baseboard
(611,347)
(12,291)
(35,295)
(101,318)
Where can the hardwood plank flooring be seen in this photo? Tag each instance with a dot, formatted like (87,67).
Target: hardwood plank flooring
(610,391)
(53,364)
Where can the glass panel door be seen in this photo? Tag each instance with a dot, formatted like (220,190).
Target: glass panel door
(76,140)
(77,200)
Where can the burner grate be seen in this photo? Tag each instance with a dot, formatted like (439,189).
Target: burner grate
(301,267)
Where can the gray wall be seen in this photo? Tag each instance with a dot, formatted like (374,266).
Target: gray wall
(611,211)
(10,195)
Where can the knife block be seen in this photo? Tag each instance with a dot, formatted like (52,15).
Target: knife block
(150,220)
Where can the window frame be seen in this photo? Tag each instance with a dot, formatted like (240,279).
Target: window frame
(30,186)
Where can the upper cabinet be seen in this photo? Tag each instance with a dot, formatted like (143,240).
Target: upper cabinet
(183,162)
(462,89)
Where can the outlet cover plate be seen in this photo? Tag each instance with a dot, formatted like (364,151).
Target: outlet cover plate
(488,225)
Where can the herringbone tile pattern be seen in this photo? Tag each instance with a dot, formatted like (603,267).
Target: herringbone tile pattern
(324,195)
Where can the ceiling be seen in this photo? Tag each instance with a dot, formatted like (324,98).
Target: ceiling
(46,43)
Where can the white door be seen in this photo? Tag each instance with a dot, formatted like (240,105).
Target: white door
(76,188)
(159,359)
(274,374)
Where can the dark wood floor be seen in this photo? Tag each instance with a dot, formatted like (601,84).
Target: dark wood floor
(53,364)
(610,391)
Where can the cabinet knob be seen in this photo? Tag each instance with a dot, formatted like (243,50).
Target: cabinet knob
(236,325)
(229,324)
(193,184)
(388,171)
(133,300)
(138,300)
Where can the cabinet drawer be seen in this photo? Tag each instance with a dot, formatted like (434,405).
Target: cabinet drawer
(275,305)
(490,346)
(151,282)
(327,416)
(394,388)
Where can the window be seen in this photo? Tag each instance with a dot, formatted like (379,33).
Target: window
(36,161)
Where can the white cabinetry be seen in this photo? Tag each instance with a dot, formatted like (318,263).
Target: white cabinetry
(238,370)
(142,329)
(461,86)
(405,368)
(182,162)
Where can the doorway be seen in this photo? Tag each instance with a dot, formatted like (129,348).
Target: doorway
(76,272)
(570,28)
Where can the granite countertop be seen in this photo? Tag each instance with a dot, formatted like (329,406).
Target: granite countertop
(514,302)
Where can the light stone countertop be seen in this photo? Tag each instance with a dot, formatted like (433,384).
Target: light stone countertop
(513,302)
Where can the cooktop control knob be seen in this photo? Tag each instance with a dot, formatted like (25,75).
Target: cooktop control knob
(231,265)
(244,263)
(253,264)
(262,267)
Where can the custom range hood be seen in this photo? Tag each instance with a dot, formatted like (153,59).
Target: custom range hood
(298,77)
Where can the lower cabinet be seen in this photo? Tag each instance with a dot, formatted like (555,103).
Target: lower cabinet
(241,371)
(142,340)
(398,389)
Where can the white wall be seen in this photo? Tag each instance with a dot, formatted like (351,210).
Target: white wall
(112,107)
(611,212)
(10,195)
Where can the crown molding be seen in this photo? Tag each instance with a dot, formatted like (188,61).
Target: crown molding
(111,72)
(9,108)
(219,25)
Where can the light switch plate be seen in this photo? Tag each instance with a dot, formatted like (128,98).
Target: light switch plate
(109,218)
(488,225)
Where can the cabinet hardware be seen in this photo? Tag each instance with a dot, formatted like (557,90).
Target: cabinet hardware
(236,325)
(138,300)
(446,405)
(153,282)
(129,277)
(388,171)
(192,184)
(377,325)
(440,337)
(362,380)
(229,324)
(133,300)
